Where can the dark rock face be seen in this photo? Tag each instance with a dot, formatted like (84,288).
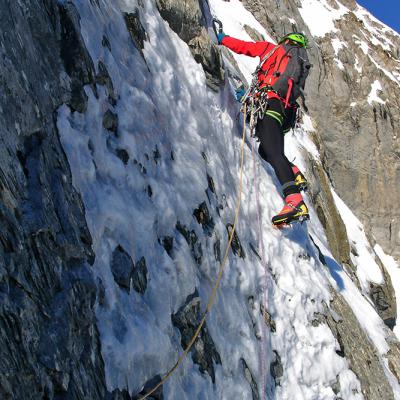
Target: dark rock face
(250,378)
(276,369)
(48,333)
(76,59)
(122,268)
(136,30)
(193,242)
(217,250)
(327,213)
(187,319)
(236,244)
(123,155)
(385,302)
(125,272)
(358,350)
(139,276)
(184,17)
(110,121)
(204,218)
(188,18)
(168,243)
(103,78)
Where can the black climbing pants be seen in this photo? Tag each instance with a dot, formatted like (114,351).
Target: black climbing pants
(270,130)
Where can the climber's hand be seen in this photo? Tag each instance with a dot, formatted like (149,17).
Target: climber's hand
(220,37)
(239,93)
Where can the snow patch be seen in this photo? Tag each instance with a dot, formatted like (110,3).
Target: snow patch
(362,255)
(385,71)
(357,65)
(373,96)
(363,45)
(320,17)
(303,136)
(337,45)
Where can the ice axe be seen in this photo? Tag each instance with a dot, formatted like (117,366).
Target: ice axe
(218,27)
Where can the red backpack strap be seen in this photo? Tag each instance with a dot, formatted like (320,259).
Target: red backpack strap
(265,58)
(289,92)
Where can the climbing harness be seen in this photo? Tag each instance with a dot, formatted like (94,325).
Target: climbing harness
(213,295)
(256,102)
(256,97)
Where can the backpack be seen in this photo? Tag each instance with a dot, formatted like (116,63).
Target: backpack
(284,62)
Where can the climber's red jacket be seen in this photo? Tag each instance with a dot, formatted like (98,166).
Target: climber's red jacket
(258,49)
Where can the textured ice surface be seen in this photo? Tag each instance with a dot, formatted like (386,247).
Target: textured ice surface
(176,132)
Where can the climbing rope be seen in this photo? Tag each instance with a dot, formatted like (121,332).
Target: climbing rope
(264,264)
(220,273)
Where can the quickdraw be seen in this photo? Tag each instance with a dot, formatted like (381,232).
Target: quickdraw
(256,102)
(257,105)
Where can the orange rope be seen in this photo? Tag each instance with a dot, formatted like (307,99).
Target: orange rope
(220,273)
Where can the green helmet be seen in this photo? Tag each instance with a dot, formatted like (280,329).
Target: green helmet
(295,37)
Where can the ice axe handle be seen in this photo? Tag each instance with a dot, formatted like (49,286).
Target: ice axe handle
(218,23)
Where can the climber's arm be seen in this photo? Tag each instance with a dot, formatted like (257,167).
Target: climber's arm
(252,49)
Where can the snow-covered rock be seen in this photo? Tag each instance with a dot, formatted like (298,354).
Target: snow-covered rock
(119,190)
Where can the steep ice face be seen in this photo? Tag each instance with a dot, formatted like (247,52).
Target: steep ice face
(176,151)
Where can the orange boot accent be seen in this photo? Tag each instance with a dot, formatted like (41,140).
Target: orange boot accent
(294,210)
(299,179)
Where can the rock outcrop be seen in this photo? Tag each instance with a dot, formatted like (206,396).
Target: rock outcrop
(48,331)
(189,19)
(204,352)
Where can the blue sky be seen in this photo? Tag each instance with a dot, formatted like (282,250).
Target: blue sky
(388,11)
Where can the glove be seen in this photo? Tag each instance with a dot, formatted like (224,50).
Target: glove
(239,93)
(220,37)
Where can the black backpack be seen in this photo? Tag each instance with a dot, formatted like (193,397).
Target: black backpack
(297,68)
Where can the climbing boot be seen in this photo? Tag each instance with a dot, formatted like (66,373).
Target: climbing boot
(299,178)
(294,210)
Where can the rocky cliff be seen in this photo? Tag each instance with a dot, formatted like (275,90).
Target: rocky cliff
(48,335)
(352,94)
(118,184)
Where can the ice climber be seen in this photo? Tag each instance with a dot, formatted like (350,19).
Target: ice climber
(280,78)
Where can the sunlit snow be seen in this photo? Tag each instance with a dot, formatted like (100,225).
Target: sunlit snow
(373,95)
(320,17)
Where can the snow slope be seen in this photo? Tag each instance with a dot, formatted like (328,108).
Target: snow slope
(177,132)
